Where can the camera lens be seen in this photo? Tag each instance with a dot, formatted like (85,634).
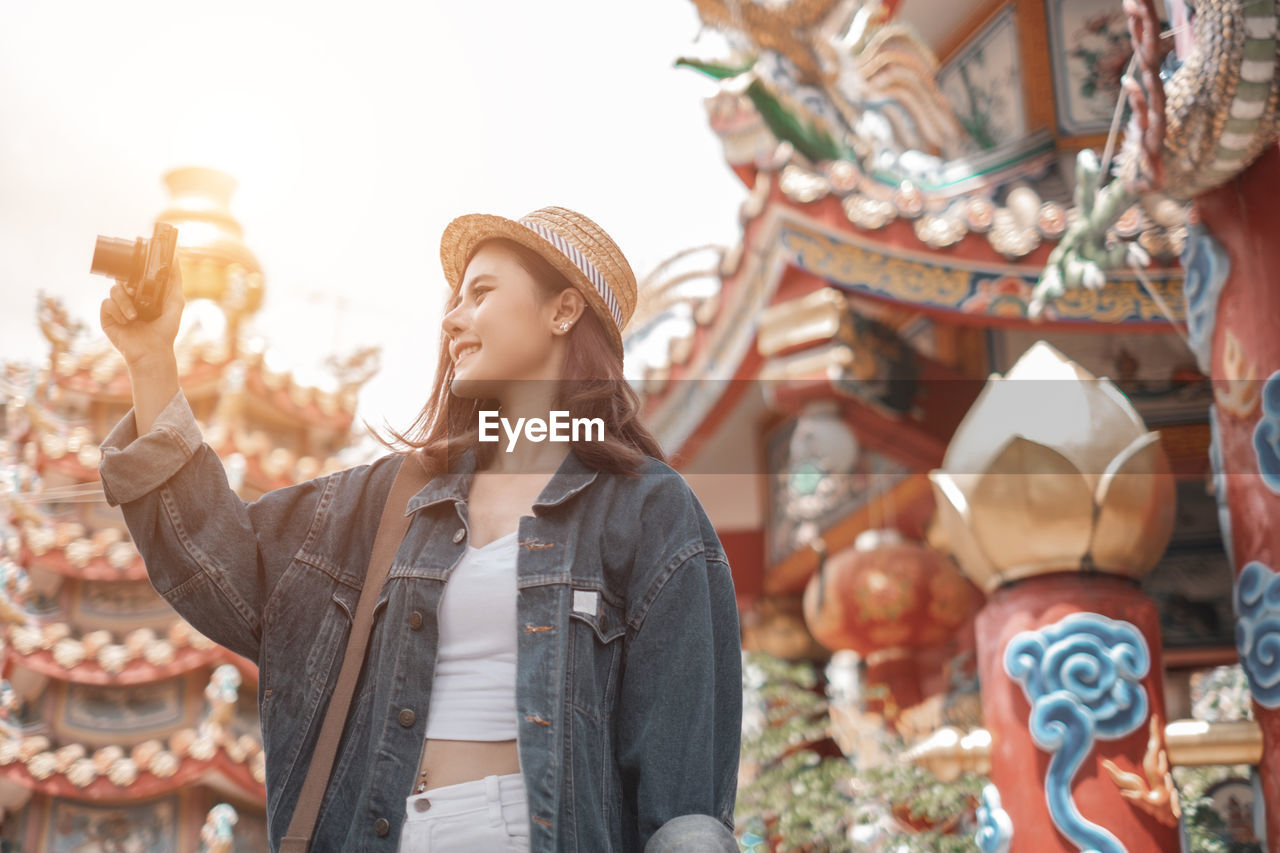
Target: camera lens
(117,258)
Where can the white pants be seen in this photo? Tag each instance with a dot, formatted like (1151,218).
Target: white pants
(488,815)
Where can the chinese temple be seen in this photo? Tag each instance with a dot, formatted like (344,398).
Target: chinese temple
(987,395)
(985,400)
(121,726)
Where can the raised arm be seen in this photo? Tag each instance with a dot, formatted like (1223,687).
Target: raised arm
(214,557)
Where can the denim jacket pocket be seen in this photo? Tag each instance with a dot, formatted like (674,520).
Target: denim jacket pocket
(596,628)
(348,600)
(325,662)
(333,634)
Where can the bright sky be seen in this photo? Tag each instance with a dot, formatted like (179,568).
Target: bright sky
(356,132)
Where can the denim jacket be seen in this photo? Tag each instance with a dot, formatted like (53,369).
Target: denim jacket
(629,684)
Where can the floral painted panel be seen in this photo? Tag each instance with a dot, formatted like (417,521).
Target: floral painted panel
(1090,49)
(983,83)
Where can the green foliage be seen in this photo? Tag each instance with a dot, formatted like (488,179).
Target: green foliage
(1221,693)
(815,802)
(1217,695)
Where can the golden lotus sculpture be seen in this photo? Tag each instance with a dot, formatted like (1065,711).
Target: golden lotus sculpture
(1052,470)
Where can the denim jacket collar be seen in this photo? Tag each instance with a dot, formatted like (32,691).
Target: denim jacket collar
(572,476)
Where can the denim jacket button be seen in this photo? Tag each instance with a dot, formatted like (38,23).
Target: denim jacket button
(415,620)
(381,826)
(459,534)
(406,717)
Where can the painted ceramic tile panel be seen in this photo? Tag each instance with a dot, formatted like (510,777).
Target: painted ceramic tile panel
(1233,800)
(983,83)
(143,828)
(123,711)
(1090,48)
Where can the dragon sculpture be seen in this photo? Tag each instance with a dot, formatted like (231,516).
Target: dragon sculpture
(864,85)
(1190,130)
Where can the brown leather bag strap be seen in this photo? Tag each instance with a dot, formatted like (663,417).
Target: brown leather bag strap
(410,479)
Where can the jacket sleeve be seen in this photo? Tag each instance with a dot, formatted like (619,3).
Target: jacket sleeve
(211,555)
(680,700)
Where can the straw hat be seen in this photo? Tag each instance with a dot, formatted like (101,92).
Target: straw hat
(570,242)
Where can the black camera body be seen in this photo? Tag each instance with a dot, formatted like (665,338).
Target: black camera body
(144,265)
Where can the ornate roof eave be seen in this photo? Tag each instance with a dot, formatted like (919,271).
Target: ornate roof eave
(106,378)
(265,468)
(84,557)
(96,658)
(328,403)
(95,368)
(147,769)
(185,773)
(943,207)
(968,283)
(779,236)
(690,382)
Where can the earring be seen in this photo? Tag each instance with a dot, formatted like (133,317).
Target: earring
(564,327)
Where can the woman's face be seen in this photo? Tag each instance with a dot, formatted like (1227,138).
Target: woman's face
(498,331)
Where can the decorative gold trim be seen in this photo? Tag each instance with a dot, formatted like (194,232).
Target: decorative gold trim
(1193,743)
(1188,743)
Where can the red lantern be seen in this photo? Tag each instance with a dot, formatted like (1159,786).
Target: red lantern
(887,593)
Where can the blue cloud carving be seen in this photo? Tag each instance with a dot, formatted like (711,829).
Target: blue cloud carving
(1266,435)
(1257,604)
(995,828)
(1206,265)
(1083,678)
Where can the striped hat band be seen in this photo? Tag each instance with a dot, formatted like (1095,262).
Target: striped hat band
(582,262)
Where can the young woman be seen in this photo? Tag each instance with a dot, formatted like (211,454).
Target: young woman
(554,663)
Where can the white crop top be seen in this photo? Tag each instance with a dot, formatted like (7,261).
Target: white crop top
(473,695)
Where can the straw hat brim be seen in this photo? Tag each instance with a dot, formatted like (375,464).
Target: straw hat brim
(462,235)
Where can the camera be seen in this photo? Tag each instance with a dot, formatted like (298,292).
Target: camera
(143,265)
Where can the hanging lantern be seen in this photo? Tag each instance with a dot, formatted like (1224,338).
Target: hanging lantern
(886,592)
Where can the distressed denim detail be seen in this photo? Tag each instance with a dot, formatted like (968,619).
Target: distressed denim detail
(629,681)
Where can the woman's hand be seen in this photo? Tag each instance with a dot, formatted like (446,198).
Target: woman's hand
(140,341)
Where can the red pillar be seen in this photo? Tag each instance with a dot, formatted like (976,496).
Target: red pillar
(1060,610)
(1243,216)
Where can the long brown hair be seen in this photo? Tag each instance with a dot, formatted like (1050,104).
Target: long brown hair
(592,385)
